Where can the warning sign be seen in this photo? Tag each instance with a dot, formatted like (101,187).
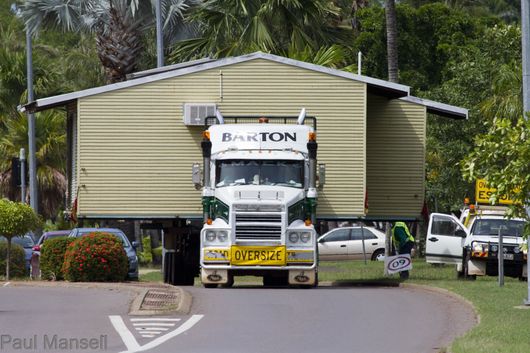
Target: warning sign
(483,194)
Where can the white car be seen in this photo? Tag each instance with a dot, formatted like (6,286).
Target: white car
(347,244)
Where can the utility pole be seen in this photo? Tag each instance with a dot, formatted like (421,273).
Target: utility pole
(525,18)
(34,201)
(159,36)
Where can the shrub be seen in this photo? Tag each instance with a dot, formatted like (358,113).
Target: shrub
(145,257)
(52,257)
(157,255)
(18,260)
(95,257)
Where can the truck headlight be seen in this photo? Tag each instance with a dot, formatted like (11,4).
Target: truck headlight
(210,235)
(480,247)
(222,236)
(305,237)
(293,237)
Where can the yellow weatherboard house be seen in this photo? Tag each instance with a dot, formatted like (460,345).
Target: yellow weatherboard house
(130,148)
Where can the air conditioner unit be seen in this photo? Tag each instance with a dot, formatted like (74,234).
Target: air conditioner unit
(195,113)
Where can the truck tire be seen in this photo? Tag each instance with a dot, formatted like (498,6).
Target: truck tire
(230,282)
(210,285)
(465,268)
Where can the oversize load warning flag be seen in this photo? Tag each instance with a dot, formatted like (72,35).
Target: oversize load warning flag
(398,263)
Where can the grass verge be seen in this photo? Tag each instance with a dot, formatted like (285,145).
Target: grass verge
(503,327)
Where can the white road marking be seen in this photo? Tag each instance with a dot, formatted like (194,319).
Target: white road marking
(150,332)
(153,324)
(148,336)
(126,335)
(6,284)
(152,328)
(133,346)
(151,319)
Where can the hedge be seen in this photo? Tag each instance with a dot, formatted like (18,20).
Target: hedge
(18,260)
(96,257)
(52,257)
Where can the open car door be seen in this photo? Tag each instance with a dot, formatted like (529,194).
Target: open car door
(445,239)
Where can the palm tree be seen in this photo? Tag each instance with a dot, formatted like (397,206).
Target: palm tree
(234,27)
(118,25)
(50,153)
(391,40)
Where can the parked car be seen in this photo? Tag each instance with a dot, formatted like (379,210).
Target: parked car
(130,249)
(346,244)
(50,235)
(26,241)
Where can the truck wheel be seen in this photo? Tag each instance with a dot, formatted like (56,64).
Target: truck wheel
(209,285)
(230,282)
(465,269)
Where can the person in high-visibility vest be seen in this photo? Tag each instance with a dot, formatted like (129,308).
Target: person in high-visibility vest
(403,242)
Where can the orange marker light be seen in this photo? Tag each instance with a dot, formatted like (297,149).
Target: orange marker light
(308,222)
(312,136)
(206,135)
(209,221)
(466,201)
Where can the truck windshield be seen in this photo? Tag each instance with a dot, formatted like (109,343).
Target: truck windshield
(512,227)
(262,172)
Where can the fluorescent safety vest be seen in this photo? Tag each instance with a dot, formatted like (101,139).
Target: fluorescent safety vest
(408,237)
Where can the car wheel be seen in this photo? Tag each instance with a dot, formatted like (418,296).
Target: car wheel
(378,255)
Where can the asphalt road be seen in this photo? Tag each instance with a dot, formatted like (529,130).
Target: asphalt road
(242,319)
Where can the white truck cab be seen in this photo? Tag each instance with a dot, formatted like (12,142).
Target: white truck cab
(474,249)
(259,201)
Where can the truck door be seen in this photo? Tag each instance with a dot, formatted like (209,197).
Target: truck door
(445,239)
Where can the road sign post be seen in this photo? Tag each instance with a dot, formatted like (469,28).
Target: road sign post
(22,175)
(527,301)
(500,258)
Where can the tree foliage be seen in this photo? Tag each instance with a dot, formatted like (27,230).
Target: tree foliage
(502,157)
(15,219)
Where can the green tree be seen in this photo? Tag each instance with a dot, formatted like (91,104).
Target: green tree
(117,24)
(50,153)
(502,157)
(15,219)
(235,27)
(478,77)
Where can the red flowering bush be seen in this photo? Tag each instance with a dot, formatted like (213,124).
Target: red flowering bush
(95,257)
(52,257)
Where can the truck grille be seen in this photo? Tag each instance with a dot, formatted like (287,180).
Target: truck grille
(258,226)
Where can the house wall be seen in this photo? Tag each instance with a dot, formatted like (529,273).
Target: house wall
(135,153)
(395,157)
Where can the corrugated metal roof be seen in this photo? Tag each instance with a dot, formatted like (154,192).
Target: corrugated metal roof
(375,85)
(394,89)
(438,108)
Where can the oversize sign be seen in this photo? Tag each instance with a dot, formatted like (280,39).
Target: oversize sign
(483,194)
(398,263)
(255,255)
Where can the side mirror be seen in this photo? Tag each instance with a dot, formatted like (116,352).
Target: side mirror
(321,175)
(196,175)
(135,244)
(460,233)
